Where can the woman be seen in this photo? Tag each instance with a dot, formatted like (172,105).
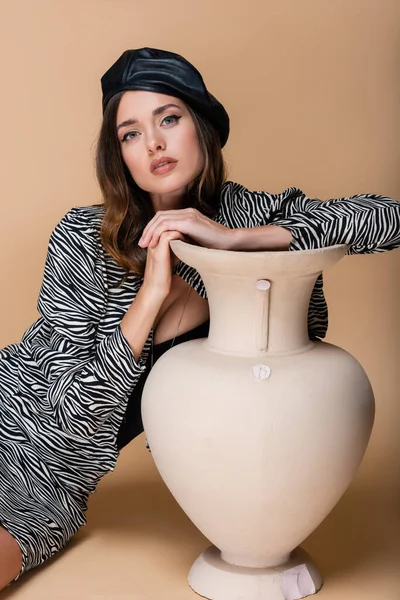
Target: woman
(113,298)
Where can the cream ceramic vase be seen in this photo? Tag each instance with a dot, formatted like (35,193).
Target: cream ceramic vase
(256,430)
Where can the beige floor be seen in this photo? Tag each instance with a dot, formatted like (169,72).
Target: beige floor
(139,545)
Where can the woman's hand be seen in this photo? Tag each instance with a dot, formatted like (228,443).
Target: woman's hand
(190,222)
(159,264)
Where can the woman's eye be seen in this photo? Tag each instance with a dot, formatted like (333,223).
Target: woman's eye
(171,119)
(130,135)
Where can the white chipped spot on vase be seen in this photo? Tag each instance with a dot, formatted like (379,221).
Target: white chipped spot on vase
(261,372)
(299,582)
(263,285)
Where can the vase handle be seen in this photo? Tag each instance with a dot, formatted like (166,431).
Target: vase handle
(263,286)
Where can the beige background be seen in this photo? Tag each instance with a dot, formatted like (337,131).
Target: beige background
(312,88)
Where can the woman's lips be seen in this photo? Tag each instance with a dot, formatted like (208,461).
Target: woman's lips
(162,165)
(164,168)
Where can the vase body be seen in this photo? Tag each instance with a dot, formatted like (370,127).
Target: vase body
(257,431)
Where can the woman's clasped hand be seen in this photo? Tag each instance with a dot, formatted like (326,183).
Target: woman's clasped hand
(160,263)
(189,222)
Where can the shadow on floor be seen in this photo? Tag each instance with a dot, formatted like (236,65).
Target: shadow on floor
(362,530)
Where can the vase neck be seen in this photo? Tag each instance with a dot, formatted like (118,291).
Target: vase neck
(253,316)
(257,317)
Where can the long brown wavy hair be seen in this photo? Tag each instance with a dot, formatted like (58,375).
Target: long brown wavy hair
(128,208)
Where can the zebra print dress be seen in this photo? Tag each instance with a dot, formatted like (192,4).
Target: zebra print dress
(64,388)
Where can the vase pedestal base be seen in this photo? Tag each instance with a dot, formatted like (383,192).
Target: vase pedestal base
(213,578)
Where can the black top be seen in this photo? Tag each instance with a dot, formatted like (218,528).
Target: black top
(132,425)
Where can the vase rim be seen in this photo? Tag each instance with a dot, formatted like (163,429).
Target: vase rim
(259,265)
(176,244)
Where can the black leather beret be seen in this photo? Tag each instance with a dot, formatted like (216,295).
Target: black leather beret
(166,73)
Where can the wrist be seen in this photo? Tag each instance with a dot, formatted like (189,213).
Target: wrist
(233,239)
(153,295)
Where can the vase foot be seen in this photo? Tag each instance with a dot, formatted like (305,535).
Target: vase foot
(213,578)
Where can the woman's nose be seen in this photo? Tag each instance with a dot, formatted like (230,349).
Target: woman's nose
(155,144)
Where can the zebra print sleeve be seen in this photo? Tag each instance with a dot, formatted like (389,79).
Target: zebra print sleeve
(85,382)
(367,223)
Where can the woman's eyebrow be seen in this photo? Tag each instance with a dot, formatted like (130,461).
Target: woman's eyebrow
(161,109)
(156,111)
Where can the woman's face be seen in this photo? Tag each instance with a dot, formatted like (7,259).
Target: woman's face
(159,142)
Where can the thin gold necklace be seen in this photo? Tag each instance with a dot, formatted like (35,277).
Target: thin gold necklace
(177,329)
